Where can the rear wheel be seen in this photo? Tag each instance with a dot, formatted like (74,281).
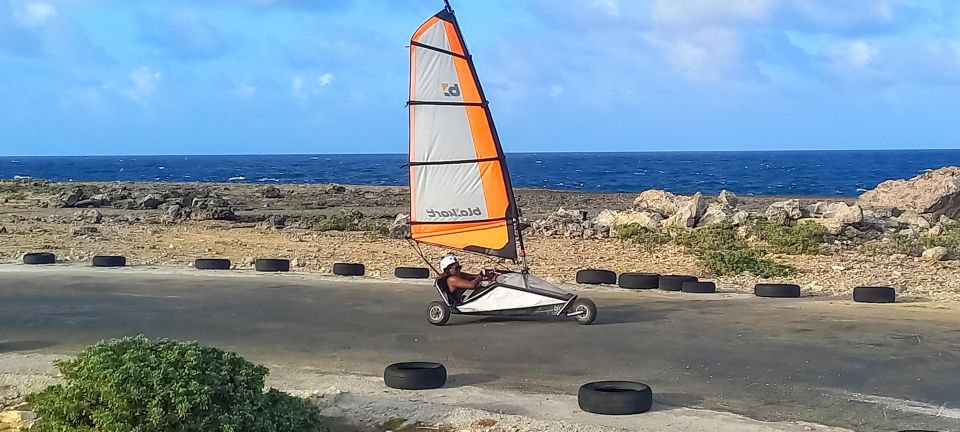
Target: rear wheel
(584,311)
(438,313)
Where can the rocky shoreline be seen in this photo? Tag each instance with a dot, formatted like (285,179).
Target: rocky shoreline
(901,234)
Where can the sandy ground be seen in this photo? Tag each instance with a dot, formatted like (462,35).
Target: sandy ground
(366,401)
(554,259)
(27,226)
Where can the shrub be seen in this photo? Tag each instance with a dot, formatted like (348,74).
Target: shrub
(641,235)
(135,384)
(896,244)
(805,238)
(338,222)
(950,238)
(712,237)
(732,262)
(722,251)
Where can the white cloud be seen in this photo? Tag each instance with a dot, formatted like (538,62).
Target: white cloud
(860,54)
(245,91)
(34,14)
(609,7)
(709,54)
(708,12)
(143,84)
(556,91)
(305,87)
(326,79)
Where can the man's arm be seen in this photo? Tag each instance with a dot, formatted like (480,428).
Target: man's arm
(458,282)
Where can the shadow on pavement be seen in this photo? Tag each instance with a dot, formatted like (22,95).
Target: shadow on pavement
(469,379)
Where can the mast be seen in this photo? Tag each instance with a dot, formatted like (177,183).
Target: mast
(521,252)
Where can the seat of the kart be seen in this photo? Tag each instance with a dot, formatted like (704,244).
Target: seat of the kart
(451,298)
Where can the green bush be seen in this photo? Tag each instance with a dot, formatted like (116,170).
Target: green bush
(722,251)
(732,262)
(896,244)
(805,238)
(350,221)
(711,237)
(642,235)
(140,385)
(950,238)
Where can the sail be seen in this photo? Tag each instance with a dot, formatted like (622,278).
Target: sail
(460,191)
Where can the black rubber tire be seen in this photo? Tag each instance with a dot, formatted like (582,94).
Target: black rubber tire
(412,273)
(109,261)
(349,269)
(596,277)
(674,282)
(211,264)
(589,309)
(40,258)
(271,265)
(438,313)
(699,287)
(639,280)
(865,294)
(615,397)
(415,376)
(777,290)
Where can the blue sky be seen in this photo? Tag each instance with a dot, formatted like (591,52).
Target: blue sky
(86,77)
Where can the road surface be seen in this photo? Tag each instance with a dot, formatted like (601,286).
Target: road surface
(863,367)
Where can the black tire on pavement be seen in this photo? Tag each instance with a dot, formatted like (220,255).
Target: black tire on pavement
(699,287)
(271,265)
(674,282)
(595,277)
(866,294)
(615,397)
(39,258)
(415,376)
(348,269)
(438,313)
(211,264)
(109,261)
(639,280)
(777,290)
(412,273)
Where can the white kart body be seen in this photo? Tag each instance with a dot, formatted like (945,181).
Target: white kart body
(510,294)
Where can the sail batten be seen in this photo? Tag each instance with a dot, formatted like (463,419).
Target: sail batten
(461,196)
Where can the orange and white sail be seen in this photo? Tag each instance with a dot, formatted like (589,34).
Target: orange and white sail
(460,191)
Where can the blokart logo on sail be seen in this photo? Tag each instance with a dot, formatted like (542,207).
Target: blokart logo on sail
(450,90)
(454,212)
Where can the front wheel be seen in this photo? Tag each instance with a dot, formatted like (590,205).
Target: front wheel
(584,311)
(438,313)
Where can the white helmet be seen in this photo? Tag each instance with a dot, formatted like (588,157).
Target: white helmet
(447,261)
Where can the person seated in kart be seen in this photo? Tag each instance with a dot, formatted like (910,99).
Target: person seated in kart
(457,282)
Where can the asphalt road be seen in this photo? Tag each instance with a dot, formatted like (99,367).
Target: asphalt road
(864,367)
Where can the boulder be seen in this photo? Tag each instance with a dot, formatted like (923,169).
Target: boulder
(912,219)
(842,213)
(659,201)
(333,188)
(568,224)
(936,192)
(3,230)
(782,212)
(271,192)
(213,213)
(935,231)
(938,253)
(400,227)
(85,231)
(688,213)
(739,217)
(150,202)
(728,199)
(273,222)
(611,219)
(69,199)
(89,216)
(176,213)
(716,213)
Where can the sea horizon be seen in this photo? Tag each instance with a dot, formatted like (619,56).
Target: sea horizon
(753,172)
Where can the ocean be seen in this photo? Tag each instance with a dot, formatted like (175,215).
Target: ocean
(841,173)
